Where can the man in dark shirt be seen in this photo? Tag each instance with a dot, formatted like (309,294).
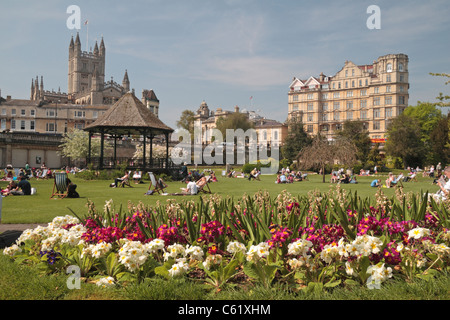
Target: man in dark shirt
(23,188)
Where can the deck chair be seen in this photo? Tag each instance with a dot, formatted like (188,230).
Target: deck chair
(60,186)
(158,186)
(44,174)
(125,182)
(205,188)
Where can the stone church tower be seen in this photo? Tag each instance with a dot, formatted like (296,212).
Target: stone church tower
(86,78)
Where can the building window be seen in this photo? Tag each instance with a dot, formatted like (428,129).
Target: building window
(23,112)
(336,116)
(401,88)
(51,113)
(360,83)
(363,93)
(388,78)
(325,96)
(309,128)
(388,100)
(80,114)
(400,67)
(95,114)
(402,78)
(13,112)
(310,107)
(363,103)
(325,106)
(22,125)
(295,107)
(325,117)
(295,97)
(350,115)
(376,125)
(363,114)
(3,124)
(50,127)
(401,100)
(310,96)
(32,112)
(367,82)
(376,113)
(376,101)
(349,94)
(389,67)
(336,105)
(309,117)
(353,72)
(376,90)
(346,84)
(13,124)
(336,95)
(388,112)
(388,88)
(275,135)
(353,83)
(32,127)
(3,112)
(349,104)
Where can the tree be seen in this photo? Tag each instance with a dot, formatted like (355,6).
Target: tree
(322,152)
(440,141)
(428,115)
(75,145)
(187,121)
(233,121)
(404,140)
(354,131)
(296,139)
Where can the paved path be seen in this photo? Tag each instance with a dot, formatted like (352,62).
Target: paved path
(21,227)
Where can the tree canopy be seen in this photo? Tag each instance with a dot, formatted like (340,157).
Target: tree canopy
(355,132)
(322,152)
(75,145)
(296,139)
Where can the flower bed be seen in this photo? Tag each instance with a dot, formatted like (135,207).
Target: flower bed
(316,241)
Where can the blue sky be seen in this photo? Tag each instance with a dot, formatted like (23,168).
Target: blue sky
(223,51)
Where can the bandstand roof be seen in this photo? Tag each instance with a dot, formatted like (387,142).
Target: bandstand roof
(129,116)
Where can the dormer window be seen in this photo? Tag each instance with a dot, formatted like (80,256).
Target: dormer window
(389,67)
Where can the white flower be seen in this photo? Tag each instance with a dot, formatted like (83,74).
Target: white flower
(235,246)
(261,251)
(12,250)
(299,247)
(178,268)
(155,245)
(195,252)
(106,282)
(378,274)
(418,233)
(348,268)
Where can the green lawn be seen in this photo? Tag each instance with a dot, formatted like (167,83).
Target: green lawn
(40,208)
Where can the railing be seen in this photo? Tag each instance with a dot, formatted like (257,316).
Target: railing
(155,163)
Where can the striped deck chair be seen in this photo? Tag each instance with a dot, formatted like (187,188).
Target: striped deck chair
(158,186)
(60,186)
(205,187)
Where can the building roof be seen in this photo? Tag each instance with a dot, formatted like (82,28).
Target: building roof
(129,116)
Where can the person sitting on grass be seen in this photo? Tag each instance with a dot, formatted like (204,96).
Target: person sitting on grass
(191,187)
(375,183)
(23,188)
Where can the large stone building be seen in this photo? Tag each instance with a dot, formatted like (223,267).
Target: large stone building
(373,93)
(88,97)
(270,133)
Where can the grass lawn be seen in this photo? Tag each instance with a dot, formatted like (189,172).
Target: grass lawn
(40,208)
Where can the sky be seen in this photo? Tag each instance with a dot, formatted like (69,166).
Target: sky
(223,52)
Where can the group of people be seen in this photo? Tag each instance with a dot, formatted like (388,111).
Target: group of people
(20,187)
(341,176)
(286,176)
